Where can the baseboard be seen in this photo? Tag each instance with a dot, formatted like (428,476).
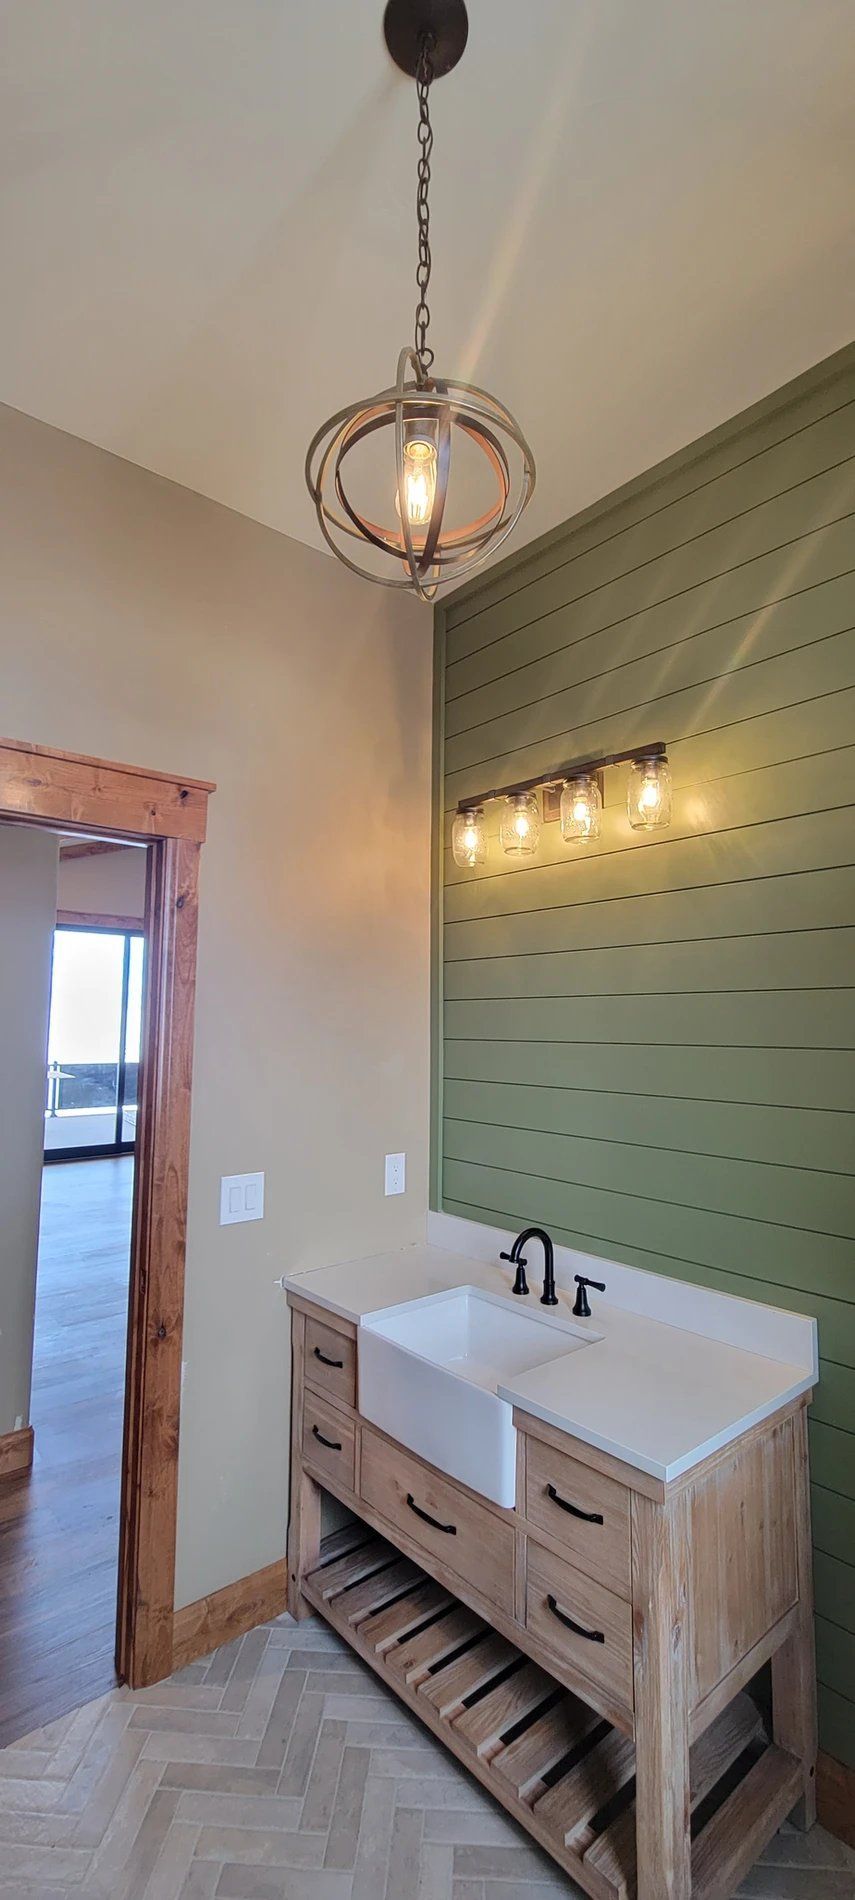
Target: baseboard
(835,1797)
(16,1452)
(202,1626)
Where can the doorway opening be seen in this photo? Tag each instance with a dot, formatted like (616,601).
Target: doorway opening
(59,1536)
(88,1584)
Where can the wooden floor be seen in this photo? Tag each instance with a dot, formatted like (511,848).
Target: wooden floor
(59,1525)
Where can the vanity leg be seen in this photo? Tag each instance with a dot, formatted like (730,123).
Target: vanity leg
(794,1665)
(304,1526)
(660,1560)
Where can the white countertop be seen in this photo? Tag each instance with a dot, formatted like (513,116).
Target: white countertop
(659,1396)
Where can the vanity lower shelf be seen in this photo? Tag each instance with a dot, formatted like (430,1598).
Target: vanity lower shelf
(559,1768)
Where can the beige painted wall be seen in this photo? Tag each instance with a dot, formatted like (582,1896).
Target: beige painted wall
(27,913)
(111,884)
(143,623)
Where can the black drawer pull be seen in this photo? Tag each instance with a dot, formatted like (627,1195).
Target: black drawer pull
(591,1636)
(338,1364)
(449,1529)
(329,1442)
(588,1517)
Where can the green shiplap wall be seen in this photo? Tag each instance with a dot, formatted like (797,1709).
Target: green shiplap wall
(649,1043)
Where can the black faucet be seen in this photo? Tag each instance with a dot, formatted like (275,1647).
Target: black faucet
(549,1296)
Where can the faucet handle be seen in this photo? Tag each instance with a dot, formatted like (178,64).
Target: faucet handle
(581,1307)
(520,1283)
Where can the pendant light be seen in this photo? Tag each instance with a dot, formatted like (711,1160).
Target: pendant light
(459,471)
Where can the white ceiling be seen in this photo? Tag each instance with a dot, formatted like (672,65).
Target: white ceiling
(642,220)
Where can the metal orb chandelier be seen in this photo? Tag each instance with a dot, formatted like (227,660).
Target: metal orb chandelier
(441,441)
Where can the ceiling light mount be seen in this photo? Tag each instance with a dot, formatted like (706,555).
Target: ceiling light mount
(407,23)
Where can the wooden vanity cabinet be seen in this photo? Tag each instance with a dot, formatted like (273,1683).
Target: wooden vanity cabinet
(587,1653)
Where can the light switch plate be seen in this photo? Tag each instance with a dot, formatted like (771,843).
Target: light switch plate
(241,1198)
(396,1174)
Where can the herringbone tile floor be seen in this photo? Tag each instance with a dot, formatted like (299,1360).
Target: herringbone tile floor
(281,1769)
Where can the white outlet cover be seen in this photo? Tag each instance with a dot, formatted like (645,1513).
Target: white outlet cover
(396,1174)
(241,1198)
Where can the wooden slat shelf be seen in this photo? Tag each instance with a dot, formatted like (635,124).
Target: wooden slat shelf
(565,1773)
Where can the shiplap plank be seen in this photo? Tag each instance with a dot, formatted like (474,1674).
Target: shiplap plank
(788,1137)
(834,1589)
(833,1521)
(798,959)
(836,1725)
(609,718)
(783,1019)
(832,1453)
(814,727)
(799,621)
(620,1220)
(718,806)
(515,1203)
(817,899)
(750,587)
(773,526)
(835,1657)
(812,841)
(834,1399)
(753,1190)
(781,1077)
(709,465)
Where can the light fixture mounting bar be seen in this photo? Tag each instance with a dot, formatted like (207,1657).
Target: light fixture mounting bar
(575,768)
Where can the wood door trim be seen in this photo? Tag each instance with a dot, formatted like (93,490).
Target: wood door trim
(202,1626)
(92,848)
(56,790)
(71,792)
(100,920)
(16,1451)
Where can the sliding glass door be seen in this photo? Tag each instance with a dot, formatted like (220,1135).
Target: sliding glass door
(93,1042)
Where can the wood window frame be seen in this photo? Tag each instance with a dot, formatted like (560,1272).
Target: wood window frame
(70,792)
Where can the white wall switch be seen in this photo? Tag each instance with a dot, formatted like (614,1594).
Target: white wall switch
(396,1174)
(241,1198)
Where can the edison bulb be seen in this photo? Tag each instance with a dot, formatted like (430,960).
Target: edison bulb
(468,840)
(419,480)
(581,809)
(648,795)
(520,829)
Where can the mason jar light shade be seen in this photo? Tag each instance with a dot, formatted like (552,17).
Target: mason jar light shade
(468,839)
(520,829)
(581,809)
(648,794)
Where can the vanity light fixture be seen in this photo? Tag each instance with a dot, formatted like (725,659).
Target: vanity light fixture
(581,808)
(648,794)
(520,827)
(436,427)
(468,838)
(581,804)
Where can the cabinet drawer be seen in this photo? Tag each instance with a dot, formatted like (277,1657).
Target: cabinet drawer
(439,1517)
(582,1510)
(329,1439)
(330,1361)
(558,1596)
